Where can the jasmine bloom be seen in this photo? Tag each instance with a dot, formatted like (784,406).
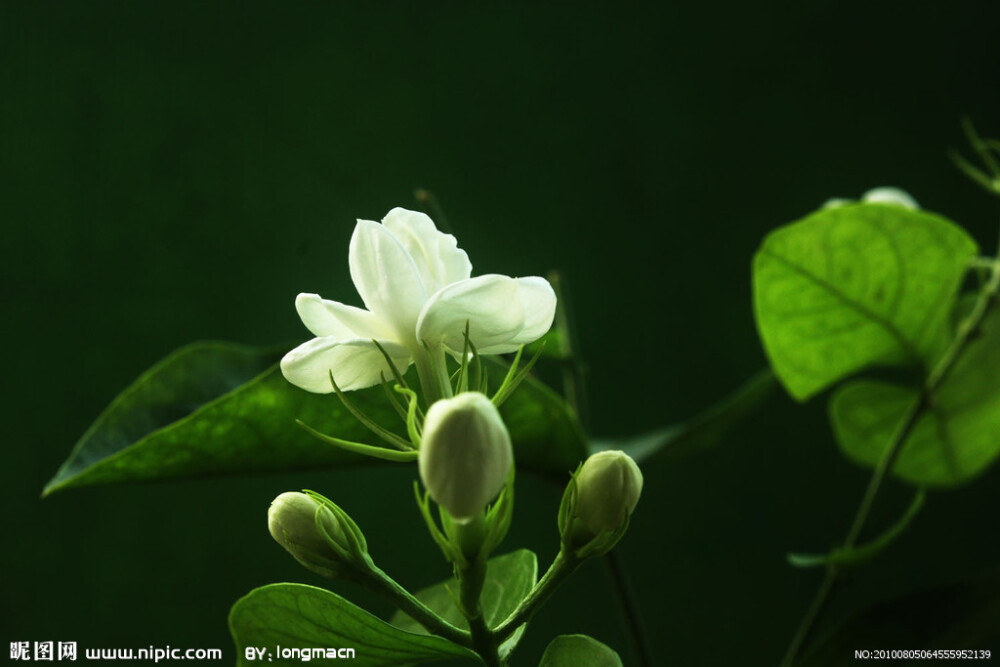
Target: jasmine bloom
(882,195)
(466,454)
(418,293)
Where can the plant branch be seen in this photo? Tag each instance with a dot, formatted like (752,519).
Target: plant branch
(630,606)
(575,390)
(381,583)
(562,567)
(484,641)
(987,297)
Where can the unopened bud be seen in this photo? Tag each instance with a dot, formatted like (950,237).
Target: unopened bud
(607,490)
(465,454)
(890,195)
(292,520)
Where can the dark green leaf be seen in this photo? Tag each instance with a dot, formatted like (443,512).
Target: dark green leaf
(959,616)
(509,579)
(576,650)
(702,432)
(959,434)
(299,616)
(213,408)
(853,286)
(218,408)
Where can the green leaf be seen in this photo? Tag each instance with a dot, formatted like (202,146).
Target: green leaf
(855,286)
(576,650)
(509,579)
(296,616)
(702,432)
(212,408)
(958,436)
(957,616)
(218,408)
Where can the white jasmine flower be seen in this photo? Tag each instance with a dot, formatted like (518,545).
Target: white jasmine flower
(415,283)
(466,454)
(882,195)
(890,195)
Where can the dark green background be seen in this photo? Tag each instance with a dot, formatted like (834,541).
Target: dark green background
(173,172)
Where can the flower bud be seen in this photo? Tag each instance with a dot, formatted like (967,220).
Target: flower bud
(465,454)
(292,522)
(607,490)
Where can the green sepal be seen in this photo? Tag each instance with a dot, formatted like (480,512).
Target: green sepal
(357,545)
(515,378)
(567,504)
(368,423)
(498,518)
(574,535)
(390,395)
(461,378)
(451,554)
(361,448)
(413,423)
(842,557)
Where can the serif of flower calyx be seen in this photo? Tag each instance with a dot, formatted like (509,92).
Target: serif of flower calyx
(466,461)
(318,534)
(420,297)
(598,503)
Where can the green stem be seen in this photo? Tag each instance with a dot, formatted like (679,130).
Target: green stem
(630,606)
(471,575)
(562,567)
(575,391)
(987,297)
(381,583)
(433,372)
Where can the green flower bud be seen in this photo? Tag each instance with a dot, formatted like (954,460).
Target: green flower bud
(292,520)
(465,454)
(607,490)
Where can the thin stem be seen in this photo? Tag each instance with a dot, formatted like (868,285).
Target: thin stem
(562,567)
(987,297)
(471,574)
(575,390)
(484,641)
(381,583)
(574,384)
(630,607)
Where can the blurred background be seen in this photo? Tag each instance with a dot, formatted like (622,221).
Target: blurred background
(174,172)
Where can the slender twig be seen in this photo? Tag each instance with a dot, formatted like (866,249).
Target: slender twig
(629,605)
(987,297)
(563,566)
(575,390)
(574,382)
(381,583)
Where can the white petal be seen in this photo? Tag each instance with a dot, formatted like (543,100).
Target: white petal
(355,364)
(386,277)
(888,195)
(491,304)
(539,302)
(437,255)
(327,318)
